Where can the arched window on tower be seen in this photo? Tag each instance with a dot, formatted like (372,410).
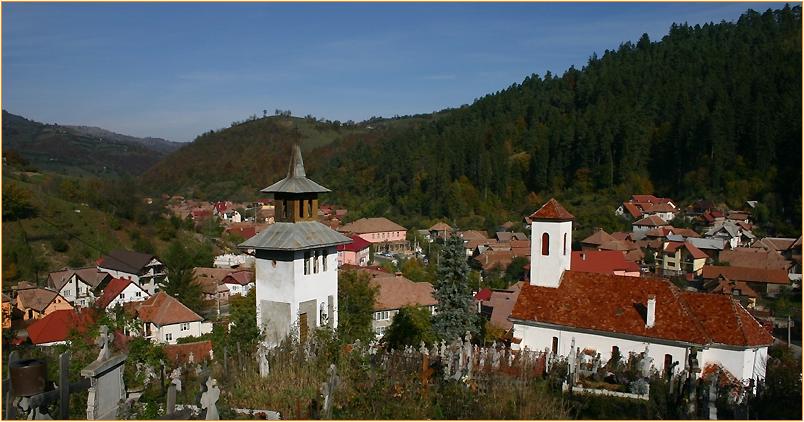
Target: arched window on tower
(565,244)
(545,244)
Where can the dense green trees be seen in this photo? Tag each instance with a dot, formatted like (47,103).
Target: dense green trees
(356,297)
(411,326)
(454,315)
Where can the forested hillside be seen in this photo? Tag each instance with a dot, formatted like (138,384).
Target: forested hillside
(709,111)
(80,150)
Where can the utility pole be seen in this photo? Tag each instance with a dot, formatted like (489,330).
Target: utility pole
(788,331)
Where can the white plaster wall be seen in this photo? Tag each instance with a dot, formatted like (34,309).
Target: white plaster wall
(317,286)
(129,295)
(175,329)
(743,364)
(547,270)
(539,338)
(275,283)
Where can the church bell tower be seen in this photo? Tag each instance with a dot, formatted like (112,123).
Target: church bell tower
(296,260)
(550,244)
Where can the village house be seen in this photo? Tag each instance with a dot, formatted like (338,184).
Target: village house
(440,230)
(680,258)
(765,281)
(381,232)
(733,234)
(641,206)
(234,261)
(79,286)
(649,223)
(616,315)
(239,282)
(354,253)
(496,305)
(56,327)
(120,291)
(147,270)
(394,292)
(165,320)
(37,303)
(739,289)
(473,238)
(711,247)
(507,237)
(211,282)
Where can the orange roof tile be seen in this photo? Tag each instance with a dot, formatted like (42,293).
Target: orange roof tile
(163,309)
(754,275)
(552,210)
(616,304)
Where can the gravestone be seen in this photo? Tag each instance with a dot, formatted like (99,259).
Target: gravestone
(106,391)
(265,368)
(209,399)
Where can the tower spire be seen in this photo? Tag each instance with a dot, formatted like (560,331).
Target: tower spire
(296,168)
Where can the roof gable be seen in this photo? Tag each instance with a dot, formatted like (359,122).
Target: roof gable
(552,211)
(163,309)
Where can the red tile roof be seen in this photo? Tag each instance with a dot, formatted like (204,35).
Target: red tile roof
(57,325)
(651,221)
(241,277)
(754,275)
(395,291)
(114,288)
(616,304)
(163,309)
(632,209)
(483,294)
(552,210)
(358,244)
(180,353)
(603,262)
(598,238)
(725,320)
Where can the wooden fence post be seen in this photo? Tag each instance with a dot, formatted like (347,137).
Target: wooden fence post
(64,385)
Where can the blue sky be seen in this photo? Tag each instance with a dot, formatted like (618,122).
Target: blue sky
(175,70)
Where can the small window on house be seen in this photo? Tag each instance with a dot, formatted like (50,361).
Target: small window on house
(185,326)
(122,295)
(555,346)
(169,337)
(307,263)
(545,244)
(138,294)
(66,293)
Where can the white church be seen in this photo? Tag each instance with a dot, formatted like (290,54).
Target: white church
(296,260)
(603,313)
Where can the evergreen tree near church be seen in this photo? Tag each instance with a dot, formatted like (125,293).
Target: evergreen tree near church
(454,315)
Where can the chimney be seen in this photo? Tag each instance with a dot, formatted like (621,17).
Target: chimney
(651,318)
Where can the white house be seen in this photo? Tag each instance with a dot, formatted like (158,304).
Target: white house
(120,291)
(144,269)
(297,260)
(239,282)
(78,286)
(609,313)
(165,320)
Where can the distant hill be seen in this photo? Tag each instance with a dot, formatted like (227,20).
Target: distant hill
(234,163)
(81,150)
(157,144)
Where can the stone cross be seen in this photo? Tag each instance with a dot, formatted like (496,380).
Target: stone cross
(175,378)
(495,356)
(103,341)
(482,363)
(328,389)
(265,368)
(209,399)
(423,348)
(443,351)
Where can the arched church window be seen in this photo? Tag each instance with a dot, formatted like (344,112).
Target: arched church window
(545,244)
(565,244)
